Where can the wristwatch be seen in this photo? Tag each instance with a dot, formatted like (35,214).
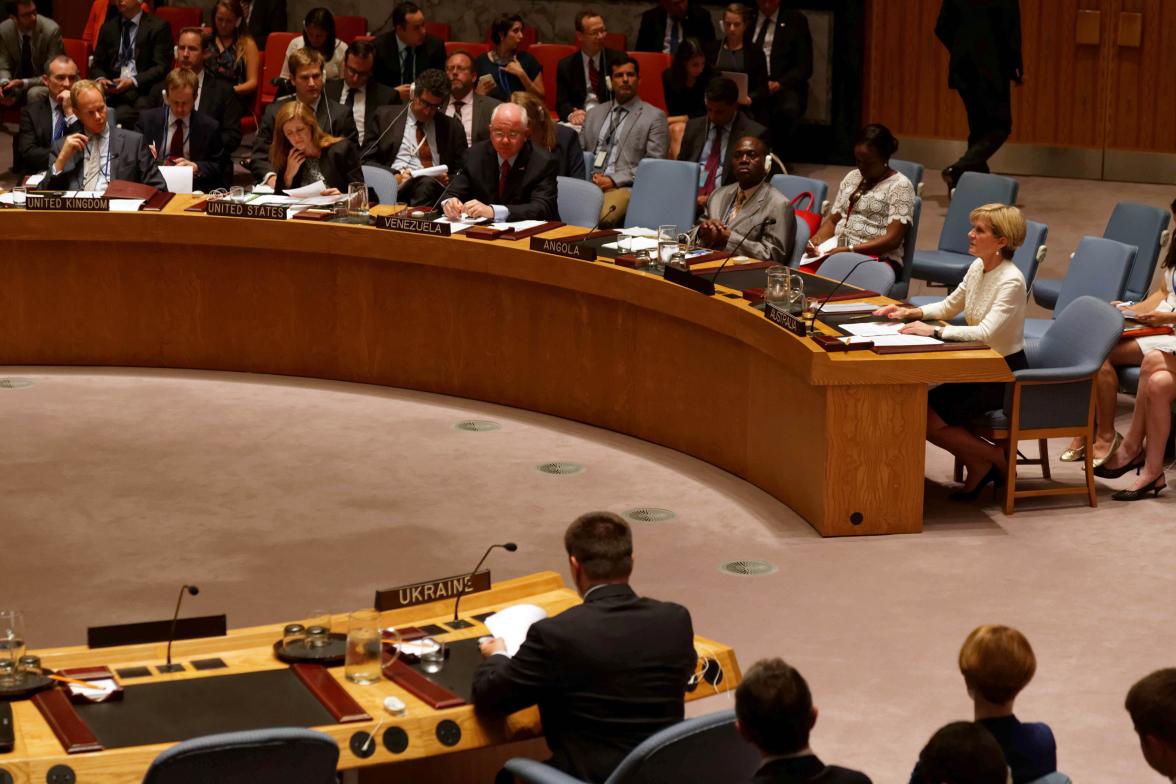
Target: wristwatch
(938,333)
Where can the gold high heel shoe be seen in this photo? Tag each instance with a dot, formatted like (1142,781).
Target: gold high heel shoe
(1074,455)
(1115,444)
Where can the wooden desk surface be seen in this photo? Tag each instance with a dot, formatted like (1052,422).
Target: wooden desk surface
(250,650)
(837,437)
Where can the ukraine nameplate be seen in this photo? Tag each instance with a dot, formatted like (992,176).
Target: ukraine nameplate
(432,590)
(235,209)
(84,204)
(413,225)
(793,324)
(565,248)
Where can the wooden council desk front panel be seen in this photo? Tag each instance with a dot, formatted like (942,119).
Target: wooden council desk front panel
(836,437)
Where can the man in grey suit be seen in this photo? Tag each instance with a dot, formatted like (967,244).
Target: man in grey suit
(47,119)
(620,134)
(91,159)
(27,43)
(749,214)
(466,104)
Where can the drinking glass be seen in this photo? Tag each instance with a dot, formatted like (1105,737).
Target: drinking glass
(357,202)
(433,657)
(293,636)
(797,302)
(12,635)
(362,664)
(237,193)
(318,629)
(19,195)
(776,291)
(667,245)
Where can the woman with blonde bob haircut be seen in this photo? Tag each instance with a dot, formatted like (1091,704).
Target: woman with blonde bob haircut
(992,299)
(302,153)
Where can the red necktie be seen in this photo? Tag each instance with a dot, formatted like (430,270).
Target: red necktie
(594,77)
(502,179)
(712,163)
(176,150)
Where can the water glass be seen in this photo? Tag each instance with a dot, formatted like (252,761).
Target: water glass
(318,629)
(667,245)
(19,195)
(237,193)
(776,290)
(293,636)
(12,636)
(357,202)
(362,663)
(433,657)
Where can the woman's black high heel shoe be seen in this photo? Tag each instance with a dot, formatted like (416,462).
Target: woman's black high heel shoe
(993,477)
(1138,495)
(1135,465)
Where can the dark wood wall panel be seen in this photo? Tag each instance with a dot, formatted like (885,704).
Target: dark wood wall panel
(1142,109)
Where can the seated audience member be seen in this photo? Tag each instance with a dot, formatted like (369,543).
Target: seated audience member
(133,54)
(685,82)
(710,139)
(992,299)
(621,133)
(214,96)
(1143,447)
(784,37)
(606,674)
(178,135)
(774,712)
(874,206)
(665,26)
(232,54)
(733,54)
(467,104)
(97,153)
(49,118)
(318,33)
(357,90)
(512,70)
(558,139)
(303,154)
(1152,705)
(962,753)
(27,42)
(418,136)
(736,213)
(580,78)
(407,50)
(506,178)
(333,118)
(263,17)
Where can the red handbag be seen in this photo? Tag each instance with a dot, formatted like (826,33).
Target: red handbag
(813,219)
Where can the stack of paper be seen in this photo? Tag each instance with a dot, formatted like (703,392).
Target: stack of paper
(886,333)
(511,625)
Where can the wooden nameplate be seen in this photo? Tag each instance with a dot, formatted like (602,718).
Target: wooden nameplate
(196,206)
(157,202)
(926,349)
(833,344)
(487,233)
(334,697)
(62,717)
(437,697)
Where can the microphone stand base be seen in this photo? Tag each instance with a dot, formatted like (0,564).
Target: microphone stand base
(459,624)
(175,667)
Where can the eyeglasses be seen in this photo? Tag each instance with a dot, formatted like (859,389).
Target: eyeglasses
(357,74)
(498,134)
(428,104)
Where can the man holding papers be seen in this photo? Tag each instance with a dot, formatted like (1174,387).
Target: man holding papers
(605,674)
(737,215)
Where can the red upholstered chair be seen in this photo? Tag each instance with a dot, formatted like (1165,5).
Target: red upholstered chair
(440,30)
(348,28)
(271,65)
(79,52)
(652,64)
(472,47)
(179,17)
(549,56)
(616,41)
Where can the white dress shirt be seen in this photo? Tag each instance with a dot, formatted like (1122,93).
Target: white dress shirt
(358,112)
(408,156)
(770,21)
(467,114)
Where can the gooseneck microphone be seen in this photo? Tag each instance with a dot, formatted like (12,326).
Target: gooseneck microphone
(840,283)
(510,547)
(762,227)
(445,190)
(169,667)
(612,208)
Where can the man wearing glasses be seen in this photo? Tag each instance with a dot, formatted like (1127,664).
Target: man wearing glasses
(356,90)
(582,78)
(507,178)
(407,139)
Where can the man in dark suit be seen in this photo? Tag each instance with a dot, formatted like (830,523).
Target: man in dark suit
(724,124)
(28,40)
(418,136)
(90,159)
(580,81)
(307,67)
(1151,703)
(784,37)
(984,41)
(178,135)
(962,752)
(774,712)
(132,55)
(507,178)
(407,50)
(214,97)
(664,26)
(49,118)
(607,673)
(467,104)
(357,90)
(264,17)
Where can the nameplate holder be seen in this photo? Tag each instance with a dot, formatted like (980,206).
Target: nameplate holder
(689,280)
(794,324)
(156,631)
(72,203)
(235,209)
(569,249)
(833,344)
(413,225)
(432,590)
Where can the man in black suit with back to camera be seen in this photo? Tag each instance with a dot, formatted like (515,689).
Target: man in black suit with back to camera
(582,78)
(606,674)
(664,26)
(178,135)
(407,50)
(784,36)
(132,55)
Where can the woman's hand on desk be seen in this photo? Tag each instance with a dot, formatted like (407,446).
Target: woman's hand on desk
(1155,319)
(917,328)
(898,312)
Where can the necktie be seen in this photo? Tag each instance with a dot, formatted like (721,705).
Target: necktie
(594,77)
(712,163)
(407,67)
(423,150)
(59,126)
(502,179)
(618,116)
(762,35)
(740,198)
(126,49)
(93,164)
(176,149)
(350,102)
(26,57)
(675,37)
(457,107)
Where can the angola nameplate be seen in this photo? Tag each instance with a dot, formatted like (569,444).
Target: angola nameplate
(565,248)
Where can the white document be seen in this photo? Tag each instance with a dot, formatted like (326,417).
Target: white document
(637,231)
(632,244)
(306,191)
(849,307)
(740,80)
(822,251)
(33,180)
(904,340)
(874,328)
(261,189)
(458,226)
(432,171)
(125,205)
(517,225)
(178,178)
(511,624)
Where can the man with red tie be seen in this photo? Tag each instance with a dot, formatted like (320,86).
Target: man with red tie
(179,135)
(710,139)
(581,78)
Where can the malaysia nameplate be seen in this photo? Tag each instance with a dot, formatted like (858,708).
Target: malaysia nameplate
(236,209)
(566,248)
(413,225)
(432,590)
(76,203)
(794,324)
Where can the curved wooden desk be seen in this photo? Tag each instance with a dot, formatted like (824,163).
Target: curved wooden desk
(836,437)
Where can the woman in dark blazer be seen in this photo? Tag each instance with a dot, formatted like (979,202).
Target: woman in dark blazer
(512,70)
(561,141)
(302,153)
(685,81)
(730,54)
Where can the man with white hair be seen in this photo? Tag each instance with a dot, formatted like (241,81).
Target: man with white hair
(506,178)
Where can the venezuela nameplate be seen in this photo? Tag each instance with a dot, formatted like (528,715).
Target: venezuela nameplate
(564,247)
(235,209)
(85,204)
(413,225)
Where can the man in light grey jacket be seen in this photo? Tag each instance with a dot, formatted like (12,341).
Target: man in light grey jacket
(27,43)
(749,214)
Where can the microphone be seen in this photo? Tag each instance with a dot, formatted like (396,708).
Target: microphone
(612,208)
(840,283)
(375,143)
(764,225)
(510,547)
(441,198)
(169,667)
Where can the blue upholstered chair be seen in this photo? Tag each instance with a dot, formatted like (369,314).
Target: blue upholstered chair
(1141,225)
(912,171)
(579,201)
(1099,269)
(873,276)
(802,238)
(382,181)
(792,185)
(948,263)
(1057,777)
(588,166)
(663,193)
(703,750)
(903,285)
(285,755)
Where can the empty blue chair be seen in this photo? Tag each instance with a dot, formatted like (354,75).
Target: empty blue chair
(285,755)
(792,185)
(802,238)
(1140,225)
(873,275)
(911,170)
(951,260)
(588,166)
(579,202)
(382,181)
(663,193)
(903,284)
(1099,269)
(703,750)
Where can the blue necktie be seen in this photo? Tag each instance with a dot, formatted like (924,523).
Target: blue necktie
(675,37)
(126,50)
(59,126)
